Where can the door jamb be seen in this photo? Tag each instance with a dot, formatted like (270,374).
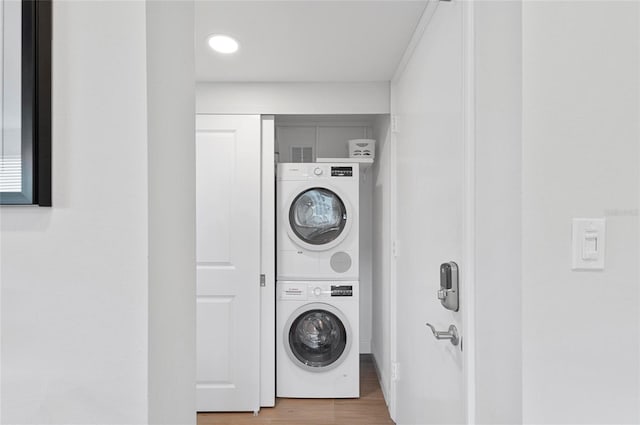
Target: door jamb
(469,208)
(268,261)
(393,277)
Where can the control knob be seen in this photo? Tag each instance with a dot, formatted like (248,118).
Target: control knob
(317,171)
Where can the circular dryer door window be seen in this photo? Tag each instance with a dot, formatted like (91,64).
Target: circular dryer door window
(317,216)
(317,338)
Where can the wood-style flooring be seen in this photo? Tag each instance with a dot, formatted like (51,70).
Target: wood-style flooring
(369,409)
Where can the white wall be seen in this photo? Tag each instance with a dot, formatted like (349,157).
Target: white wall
(497,180)
(427,99)
(380,176)
(74,277)
(171,159)
(581,103)
(292,98)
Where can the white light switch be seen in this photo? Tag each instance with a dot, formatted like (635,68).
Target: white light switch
(590,246)
(588,243)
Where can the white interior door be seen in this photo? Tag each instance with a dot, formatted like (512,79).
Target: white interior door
(429,386)
(228,262)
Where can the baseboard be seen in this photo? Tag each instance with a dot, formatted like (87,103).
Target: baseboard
(382,379)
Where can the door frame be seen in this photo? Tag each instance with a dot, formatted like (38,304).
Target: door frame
(267,262)
(469,207)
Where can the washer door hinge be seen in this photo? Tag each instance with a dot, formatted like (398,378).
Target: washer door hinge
(263,280)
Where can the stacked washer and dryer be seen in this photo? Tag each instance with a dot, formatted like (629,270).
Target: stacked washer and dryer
(317,280)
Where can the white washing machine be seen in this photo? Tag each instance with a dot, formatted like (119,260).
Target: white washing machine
(317,339)
(317,221)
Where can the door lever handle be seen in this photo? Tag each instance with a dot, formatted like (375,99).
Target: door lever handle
(451,334)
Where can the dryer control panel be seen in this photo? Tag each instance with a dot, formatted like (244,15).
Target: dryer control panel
(304,171)
(346,171)
(341,291)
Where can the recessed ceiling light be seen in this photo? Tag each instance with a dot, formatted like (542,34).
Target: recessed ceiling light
(223,43)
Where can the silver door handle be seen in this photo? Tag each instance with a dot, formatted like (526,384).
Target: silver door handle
(451,334)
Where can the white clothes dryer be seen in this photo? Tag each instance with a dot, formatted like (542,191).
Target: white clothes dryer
(317,221)
(317,350)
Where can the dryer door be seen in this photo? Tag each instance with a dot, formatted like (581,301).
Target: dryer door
(316,338)
(318,217)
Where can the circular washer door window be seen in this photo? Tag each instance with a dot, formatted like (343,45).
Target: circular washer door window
(317,338)
(317,216)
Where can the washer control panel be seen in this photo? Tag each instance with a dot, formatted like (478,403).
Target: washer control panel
(329,289)
(319,290)
(309,290)
(292,291)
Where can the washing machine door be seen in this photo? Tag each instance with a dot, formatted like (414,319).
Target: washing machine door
(318,218)
(317,337)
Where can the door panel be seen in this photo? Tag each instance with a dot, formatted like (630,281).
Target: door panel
(215,174)
(214,343)
(228,262)
(428,102)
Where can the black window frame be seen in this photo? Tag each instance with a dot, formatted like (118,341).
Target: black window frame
(35,108)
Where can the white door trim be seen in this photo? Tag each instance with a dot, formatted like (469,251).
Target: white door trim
(393,285)
(469,209)
(267,265)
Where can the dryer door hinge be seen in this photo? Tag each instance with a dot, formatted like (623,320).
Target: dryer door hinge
(263,280)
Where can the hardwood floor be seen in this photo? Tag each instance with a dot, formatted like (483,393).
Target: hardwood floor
(369,409)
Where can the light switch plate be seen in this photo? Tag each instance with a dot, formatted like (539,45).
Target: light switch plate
(588,246)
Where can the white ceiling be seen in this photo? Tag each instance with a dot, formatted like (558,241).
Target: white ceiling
(303,40)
